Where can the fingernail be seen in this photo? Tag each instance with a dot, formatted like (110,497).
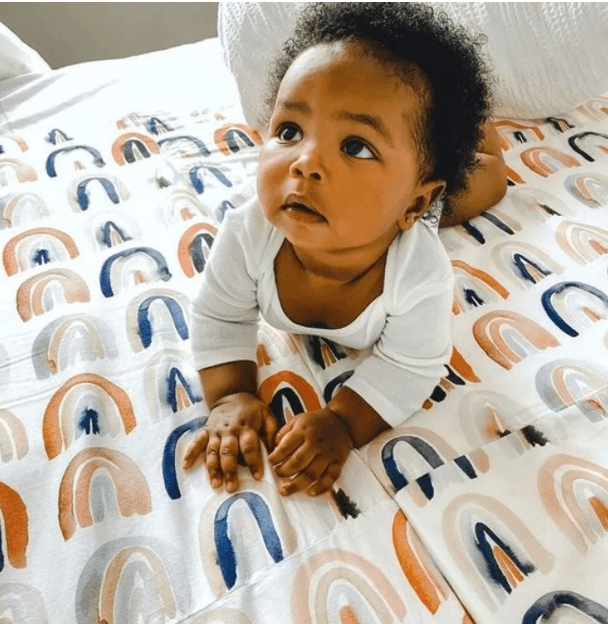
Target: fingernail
(215,483)
(257,475)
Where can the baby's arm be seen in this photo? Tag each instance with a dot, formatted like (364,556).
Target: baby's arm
(313,447)
(224,342)
(486,186)
(387,386)
(237,419)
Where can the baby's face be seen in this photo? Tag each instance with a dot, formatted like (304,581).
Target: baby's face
(339,167)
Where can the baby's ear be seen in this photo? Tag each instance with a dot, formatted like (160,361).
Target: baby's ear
(428,193)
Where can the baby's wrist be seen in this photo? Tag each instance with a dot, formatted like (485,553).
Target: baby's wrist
(345,426)
(233,397)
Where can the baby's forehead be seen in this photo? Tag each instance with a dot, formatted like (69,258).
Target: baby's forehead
(347,71)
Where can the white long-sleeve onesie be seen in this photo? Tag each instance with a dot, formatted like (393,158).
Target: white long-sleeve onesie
(408,325)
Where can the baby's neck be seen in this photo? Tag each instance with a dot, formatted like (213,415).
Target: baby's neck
(343,268)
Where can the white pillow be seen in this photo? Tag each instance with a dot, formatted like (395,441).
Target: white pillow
(548,57)
(18,58)
(251,33)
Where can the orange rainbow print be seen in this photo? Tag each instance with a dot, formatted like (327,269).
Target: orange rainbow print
(120,573)
(336,585)
(474,287)
(545,161)
(89,477)
(512,132)
(15,141)
(41,293)
(226,553)
(231,138)
(35,247)
(491,547)
(14,169)
(583,242)
(13,437)
(508,337)
(574,492)
(274,344)
(595,108)
(70,339)
(288,394)
(162,311)
(194,248)
(524,262)
(14,521)
(487,416)
(132,146)
(563,383)
(459,372)
(590,189)
(91,151)
(185,205)
(513,177)
(419,569)
(86,403)
(20,208)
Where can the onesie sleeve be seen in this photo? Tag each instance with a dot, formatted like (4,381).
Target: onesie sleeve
(409,358)
(225,312)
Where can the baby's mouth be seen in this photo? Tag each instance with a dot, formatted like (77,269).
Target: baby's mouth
(302,211)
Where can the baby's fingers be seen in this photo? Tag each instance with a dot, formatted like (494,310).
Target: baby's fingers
(304,479)
(249,443)
(228,460)
(271,428)
(287,443)
(197,447)
(327,480)
(212,462)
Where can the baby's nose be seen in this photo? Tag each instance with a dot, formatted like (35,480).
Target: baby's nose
(308,164)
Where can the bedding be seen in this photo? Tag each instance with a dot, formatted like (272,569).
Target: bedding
(490,505)
(547,57)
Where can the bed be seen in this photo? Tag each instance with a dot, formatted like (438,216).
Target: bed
(488,506)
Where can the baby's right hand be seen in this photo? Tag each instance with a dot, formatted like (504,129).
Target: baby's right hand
(234,426)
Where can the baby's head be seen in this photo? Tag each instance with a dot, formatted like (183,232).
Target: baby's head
(439,61)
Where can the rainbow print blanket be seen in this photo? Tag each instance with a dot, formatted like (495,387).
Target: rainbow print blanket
(489,505)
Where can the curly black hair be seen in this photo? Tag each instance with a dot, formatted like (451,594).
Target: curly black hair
(413,38)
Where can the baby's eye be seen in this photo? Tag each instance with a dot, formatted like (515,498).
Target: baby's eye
(358,149)
(289,132)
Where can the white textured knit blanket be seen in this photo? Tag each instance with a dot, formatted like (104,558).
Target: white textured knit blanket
(548,57)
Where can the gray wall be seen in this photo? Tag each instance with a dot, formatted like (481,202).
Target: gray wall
(64,33)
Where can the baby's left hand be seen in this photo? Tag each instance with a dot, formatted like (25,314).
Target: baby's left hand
(311,450)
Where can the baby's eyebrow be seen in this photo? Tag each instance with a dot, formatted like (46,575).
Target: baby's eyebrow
(294,105)
(369,120)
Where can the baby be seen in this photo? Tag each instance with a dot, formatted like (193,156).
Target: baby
(379,115)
